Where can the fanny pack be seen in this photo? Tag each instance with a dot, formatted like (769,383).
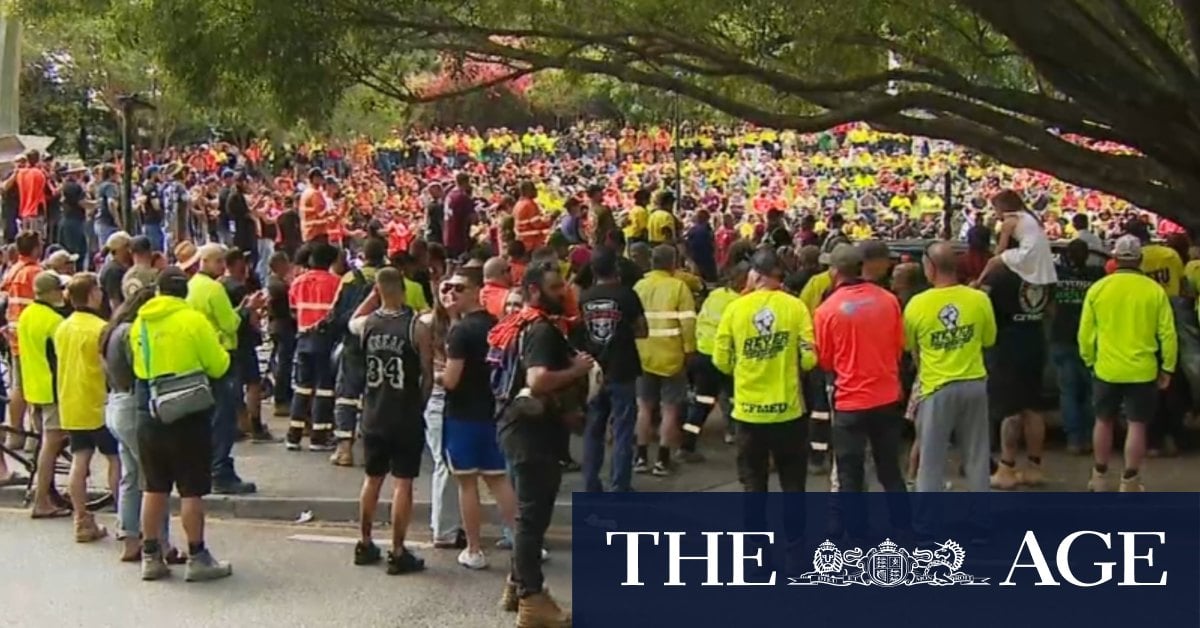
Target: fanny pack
(173,397)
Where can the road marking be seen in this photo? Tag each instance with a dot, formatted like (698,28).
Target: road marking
(349,540)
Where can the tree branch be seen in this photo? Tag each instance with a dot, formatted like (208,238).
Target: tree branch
(1189,10)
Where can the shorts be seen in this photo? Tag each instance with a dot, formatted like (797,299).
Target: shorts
(246,360)
(1139,401)
(1015,386)
(46,414)
(669,390)
(472,447)
(397,452)
(91,440)
(177,456)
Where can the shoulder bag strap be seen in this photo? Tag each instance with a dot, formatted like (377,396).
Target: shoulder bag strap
(146,348)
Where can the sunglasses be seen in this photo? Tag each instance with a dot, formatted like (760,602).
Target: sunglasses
(456,288)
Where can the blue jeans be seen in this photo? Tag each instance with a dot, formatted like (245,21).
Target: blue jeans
(619,401)
(121,418)
(1075,393)
(266,248)
(227,390)
(158,237)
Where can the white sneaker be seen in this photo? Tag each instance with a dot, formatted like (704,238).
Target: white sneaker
(545,555)
(472,560)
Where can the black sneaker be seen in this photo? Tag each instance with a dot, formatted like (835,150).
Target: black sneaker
(661,469)
(641,465)
(405,562)
(570,466)
(234,487)
(366,554)
(263,435)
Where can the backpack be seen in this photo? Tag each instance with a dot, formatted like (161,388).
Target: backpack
(507,376)
(349,298)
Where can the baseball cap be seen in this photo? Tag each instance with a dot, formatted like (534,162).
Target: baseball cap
(48,285)
(233,254)
(227,173)
(1128,248)
(172,281)
(117,241)
(61,256)
(186,255)
(846,255)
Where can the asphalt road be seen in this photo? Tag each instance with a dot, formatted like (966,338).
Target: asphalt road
(287,576)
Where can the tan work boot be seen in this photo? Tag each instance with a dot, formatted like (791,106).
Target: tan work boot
(541,611)
(1005,478)
(1132,485)
(1099,482)
(344,455)
(1033,475)
(87,530)
(509,601)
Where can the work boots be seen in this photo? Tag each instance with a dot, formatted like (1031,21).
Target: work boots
(1033,475)
(509,600)
(541,611)
(1005,478)
(1099,482)
(343,456)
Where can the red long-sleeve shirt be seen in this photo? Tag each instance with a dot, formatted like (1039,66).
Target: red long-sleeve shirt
(860,339)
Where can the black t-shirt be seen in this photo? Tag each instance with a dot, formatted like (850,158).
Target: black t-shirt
(111,275)
(392,401)
(223,206)
(72,201)
(289,227)
(435,214)
(472,399)
(526,439)
(248,336)
(1072,287)
(1020,310)
(152,208)
(244,236)
(608,312)
(279,311)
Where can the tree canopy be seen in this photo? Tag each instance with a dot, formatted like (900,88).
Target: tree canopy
(1020,81)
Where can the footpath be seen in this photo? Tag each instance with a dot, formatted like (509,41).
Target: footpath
(296,484)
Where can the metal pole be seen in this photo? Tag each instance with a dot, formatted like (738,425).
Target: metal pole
(127,161)
(947,207)
(678,158)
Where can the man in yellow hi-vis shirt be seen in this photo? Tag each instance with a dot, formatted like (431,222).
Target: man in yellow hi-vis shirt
(660,226)
(1127,337)
(671,339)
(947,327)
(765,341)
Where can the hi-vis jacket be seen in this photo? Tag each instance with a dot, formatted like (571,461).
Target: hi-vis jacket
(671,318)
(765,340)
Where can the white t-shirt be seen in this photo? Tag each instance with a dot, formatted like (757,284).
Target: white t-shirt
(1032,259)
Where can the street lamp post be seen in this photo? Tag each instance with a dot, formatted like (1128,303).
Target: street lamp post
(678,156)
(130,103)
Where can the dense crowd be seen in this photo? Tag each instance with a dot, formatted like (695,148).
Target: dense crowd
(485,296)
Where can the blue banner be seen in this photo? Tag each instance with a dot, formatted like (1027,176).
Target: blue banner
(1016,560)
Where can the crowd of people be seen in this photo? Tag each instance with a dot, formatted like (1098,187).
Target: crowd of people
(486,296)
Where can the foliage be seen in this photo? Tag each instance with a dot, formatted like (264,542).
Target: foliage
(1006,78)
